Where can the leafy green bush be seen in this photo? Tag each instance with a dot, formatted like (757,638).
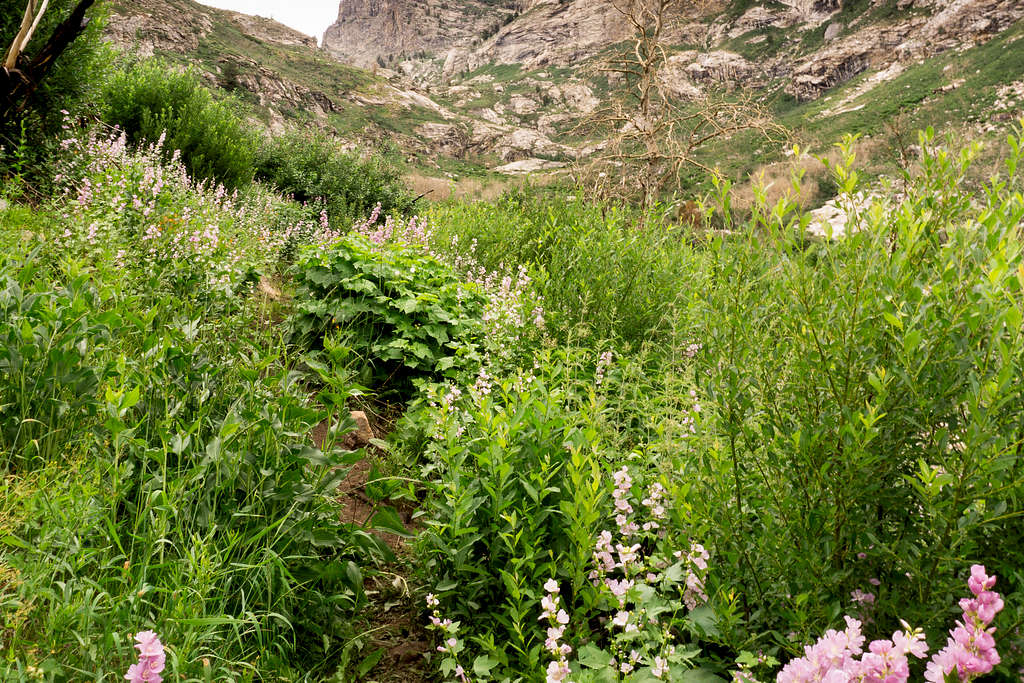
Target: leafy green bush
(838,421)
(48,380)
(146,215)
(521,498)
(408,314)
(863,426)
(151,101)
(597,273)
(515,500)
(160,468)
(314,168)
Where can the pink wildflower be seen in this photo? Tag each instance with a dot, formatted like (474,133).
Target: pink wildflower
(151,659)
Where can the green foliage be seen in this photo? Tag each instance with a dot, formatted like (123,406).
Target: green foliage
(144,214)
(831,417)
(150,100)
(596,271)
(48,380)
(312,167)
(516,497)
(863,403)
(406,313)
(192,468)
(156,443)
(73,84)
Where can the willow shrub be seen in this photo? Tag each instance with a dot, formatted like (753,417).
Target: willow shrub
(152,101)
(315,168)
(159,466)
(839,422)
(599,274)
(865,416)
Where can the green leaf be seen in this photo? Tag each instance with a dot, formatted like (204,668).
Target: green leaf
(593,657)
(354,574)
(483,664)
(698,676)
(704,618)
(387,518)
(911,341)
(369,662)
(15,542)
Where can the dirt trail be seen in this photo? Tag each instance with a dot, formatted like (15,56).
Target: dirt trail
(396,623)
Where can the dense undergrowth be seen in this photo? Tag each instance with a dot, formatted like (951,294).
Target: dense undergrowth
(642,452)
(638,450)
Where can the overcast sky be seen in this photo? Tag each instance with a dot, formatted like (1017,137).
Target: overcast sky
(309,16)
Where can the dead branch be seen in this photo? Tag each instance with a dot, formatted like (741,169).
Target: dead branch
(20,76)
(649,134)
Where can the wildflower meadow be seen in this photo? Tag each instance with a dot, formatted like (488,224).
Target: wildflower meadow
(599,446)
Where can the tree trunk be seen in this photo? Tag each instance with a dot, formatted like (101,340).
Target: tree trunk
(19,82)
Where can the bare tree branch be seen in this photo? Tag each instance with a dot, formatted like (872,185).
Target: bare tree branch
(20,76)
(16,45)
(649,132)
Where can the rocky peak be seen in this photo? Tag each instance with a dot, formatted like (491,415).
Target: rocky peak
(372,33)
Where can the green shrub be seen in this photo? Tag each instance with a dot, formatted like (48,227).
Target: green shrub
(48,381)
(596,271)
(521,497)
(515,500)
(167,479)
(150,100)
(314,168)
(407,314)
(833,418)
(171,233)
(863,422)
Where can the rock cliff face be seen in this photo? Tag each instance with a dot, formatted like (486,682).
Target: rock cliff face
(467,34)
(954,25)
(370,32)
(526,117)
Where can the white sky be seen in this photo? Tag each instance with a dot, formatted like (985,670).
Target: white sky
(311,17)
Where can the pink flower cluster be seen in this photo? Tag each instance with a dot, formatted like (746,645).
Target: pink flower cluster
(151,659)
(628,572)
(688,421)
(971,649)
(838,656)
(416,230)
(558,668)
(696,563)
(450,645)
(604,362)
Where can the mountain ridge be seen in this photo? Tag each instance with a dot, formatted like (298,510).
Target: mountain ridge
(823,67)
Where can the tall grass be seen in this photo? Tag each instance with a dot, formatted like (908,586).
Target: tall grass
(159,440)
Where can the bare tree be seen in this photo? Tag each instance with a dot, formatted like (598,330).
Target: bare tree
(650,131)
(20,74)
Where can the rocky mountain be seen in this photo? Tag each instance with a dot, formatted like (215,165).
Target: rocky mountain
(501,84)
(813,44)
(370,32)
(148,27)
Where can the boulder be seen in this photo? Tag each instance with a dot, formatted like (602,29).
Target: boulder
(523,106)
(361,435)
(531,165)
